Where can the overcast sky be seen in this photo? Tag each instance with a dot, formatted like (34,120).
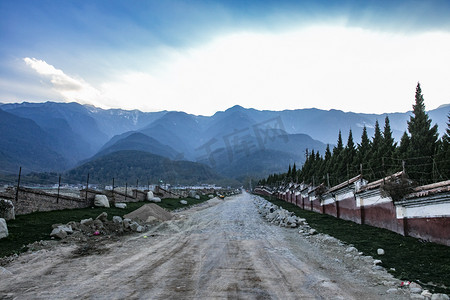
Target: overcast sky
(204,56)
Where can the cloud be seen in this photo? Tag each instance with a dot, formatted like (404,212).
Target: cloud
(71,89)
(322,66)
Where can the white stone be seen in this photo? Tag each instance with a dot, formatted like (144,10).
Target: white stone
(426,294)
(197,197)
(9,212)
(139,228)
(376,262)
(120,205)
(416,296)
(184,202)
(154,199)
(392,291)
(351,249)
(101,201)
(150,195)
(380,251)
(3,228)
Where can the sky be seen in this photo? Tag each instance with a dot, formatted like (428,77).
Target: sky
(206,56)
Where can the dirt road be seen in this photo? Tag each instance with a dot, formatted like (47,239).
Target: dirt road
(223,251)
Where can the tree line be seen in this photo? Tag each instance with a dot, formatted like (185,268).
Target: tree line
(421,154)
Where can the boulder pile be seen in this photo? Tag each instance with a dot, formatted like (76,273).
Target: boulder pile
(278,215)
(100,226)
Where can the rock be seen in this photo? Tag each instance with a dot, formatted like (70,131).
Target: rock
(139,228)
(134,226)
(377,261)
(210,196)
(7,210)
(102,217)
(155,199)
(126,223)
(58,233)
(117,220)
(74,225)
(416,296)
(150,195)
(197,197)
(101,201)
(3,229)
(184,202)
(392,291)
(87,222)
(377,268)
(67,228)
(312,231)
(351,249)
(426,294)
(120,205)
(439,297)
(380,251)
(192,194)
(415,288)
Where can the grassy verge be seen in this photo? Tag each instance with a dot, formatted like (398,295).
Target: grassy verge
(414,260)
(26,229)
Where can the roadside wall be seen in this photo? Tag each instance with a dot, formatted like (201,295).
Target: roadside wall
(428,220)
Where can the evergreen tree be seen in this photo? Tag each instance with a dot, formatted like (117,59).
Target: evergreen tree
(443,155)
(363,148)
(294,173)
(340,146)
(422,146)
(375,156)
(402,150)
(388,147)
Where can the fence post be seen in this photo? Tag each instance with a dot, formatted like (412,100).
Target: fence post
(87,187)
(18,185)
(59,185)
(137,185)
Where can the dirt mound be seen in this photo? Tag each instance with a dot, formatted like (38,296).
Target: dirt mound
(148,213)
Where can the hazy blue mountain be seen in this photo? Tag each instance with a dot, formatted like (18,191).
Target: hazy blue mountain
(116,121)
(69,123)
(139,142)
(75,132)
(129,166)
(24,143)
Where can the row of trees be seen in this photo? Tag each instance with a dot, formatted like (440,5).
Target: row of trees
(423,156)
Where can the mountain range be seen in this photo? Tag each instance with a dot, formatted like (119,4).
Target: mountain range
(235,143)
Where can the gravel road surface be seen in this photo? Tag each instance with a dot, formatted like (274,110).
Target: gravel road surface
(221,250)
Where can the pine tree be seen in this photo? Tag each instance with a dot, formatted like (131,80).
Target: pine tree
(388,147)
(443,155)
(294,173)
(422,146)
(363,148)
(375,156)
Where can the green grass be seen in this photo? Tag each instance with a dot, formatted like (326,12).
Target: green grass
(414,260)
(26,229)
